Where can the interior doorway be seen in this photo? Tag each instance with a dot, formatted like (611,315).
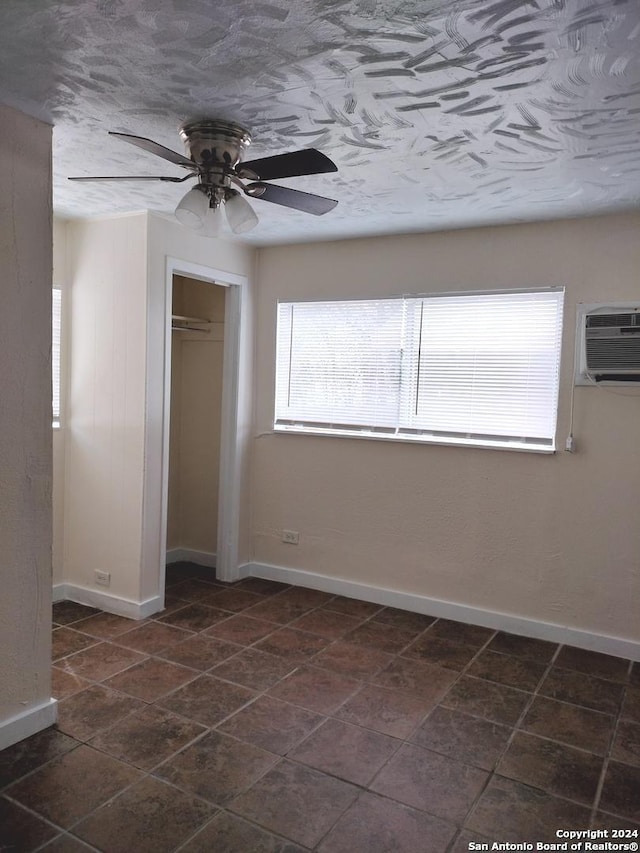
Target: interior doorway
(197,360)
(235,425)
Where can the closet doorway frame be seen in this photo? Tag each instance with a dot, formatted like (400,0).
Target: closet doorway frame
(232,415)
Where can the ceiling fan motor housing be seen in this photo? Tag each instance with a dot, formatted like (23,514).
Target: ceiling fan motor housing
(211,143)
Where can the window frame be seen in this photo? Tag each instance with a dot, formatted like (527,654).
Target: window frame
(403,434)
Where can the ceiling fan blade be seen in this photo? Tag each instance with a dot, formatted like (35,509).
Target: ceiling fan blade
(156,148)
(133,178)
(308,161)
(306,202)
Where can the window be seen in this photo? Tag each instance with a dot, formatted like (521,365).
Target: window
(56,314)
(467,368)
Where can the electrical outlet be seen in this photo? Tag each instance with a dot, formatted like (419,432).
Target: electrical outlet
(102,578)
(291,537)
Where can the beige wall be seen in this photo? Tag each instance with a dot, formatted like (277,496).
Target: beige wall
(104,432)
(196,398)
(25,438)
(175,436)
(111,448)
(168,238)
(60,280)
(550,538)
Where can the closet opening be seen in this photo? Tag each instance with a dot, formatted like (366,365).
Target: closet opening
(203,442)
(198,310)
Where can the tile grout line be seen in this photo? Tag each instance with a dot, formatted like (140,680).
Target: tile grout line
(5,788)
(110,800)
(225,811)
(310,662)
(35,814)
(491,773)
(612,740)
(149,773)
(326,717)
(63,835)
(514,730)
(460,675)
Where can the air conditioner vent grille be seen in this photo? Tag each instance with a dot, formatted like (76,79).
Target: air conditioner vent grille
(611,320)
(619,354)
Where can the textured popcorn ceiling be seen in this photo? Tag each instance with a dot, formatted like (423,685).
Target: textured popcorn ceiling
(438,113)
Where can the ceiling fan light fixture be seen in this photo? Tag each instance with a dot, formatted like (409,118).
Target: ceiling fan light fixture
(212,223)
(240,215)
(193,207)
(215,150)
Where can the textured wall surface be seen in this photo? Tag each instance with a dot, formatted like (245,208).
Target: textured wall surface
(104,431)
(25,437)
(553,538)
(439,114)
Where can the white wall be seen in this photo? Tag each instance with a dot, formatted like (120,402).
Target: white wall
(554,538)
(25,437)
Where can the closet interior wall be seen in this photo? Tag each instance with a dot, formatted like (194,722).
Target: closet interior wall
(196,394)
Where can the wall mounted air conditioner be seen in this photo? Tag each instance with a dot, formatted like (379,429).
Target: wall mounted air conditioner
(608,344)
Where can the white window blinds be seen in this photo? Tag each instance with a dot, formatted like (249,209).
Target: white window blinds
(56,314)
(339,362)
(477,368)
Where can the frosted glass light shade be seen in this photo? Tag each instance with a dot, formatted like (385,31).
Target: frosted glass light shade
(212,223)
(240,215)
(192,209)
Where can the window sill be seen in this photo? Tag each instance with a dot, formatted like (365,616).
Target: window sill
(404,438)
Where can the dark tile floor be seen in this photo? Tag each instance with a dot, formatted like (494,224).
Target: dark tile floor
(259,718)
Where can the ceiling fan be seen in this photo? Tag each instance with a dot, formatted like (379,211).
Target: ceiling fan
(215,149)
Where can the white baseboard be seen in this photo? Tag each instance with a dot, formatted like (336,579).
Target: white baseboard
(110,603)
(618,646)
(28,722)
(188,555)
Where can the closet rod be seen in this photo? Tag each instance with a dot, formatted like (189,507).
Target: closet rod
(184,319)
(188,329)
